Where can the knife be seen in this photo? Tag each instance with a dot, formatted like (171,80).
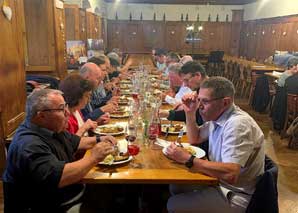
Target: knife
(167,132)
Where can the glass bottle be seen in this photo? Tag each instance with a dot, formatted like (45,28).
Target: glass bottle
(154,129)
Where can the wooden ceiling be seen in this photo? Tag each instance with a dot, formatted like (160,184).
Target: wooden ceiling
(202,2)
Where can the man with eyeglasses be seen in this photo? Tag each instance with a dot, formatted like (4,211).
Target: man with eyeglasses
(236,151)
(193,74)
(42,174)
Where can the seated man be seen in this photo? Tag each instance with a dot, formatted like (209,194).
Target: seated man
(176,86)
(105,91)
(292,69)
(93,73)
(41,173)
(192,74)
(236,152)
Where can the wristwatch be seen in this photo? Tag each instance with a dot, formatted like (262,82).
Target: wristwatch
(189,162)
(97,138)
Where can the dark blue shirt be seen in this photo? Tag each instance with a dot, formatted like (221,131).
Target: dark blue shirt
(35,163)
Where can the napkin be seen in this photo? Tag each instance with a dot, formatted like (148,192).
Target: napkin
(162,143)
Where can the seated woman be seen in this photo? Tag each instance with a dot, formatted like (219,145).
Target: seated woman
(76,92)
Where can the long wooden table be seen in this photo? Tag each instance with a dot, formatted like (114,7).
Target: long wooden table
(156,168)
(255,67)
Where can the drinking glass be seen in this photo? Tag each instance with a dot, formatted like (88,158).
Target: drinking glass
(132,146)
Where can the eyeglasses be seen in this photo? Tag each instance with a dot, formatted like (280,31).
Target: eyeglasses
(62,107)
(206,101)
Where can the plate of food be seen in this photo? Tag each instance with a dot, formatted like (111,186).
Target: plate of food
(116,159)
(196,151)
(109,129)
(123,100)
(125,86)
(125,82)
(119,114)
(125,92)
(173,129)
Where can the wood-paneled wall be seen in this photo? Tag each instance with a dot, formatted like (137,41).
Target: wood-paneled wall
(81,25)
(260,38)
(141,36)
(12,73)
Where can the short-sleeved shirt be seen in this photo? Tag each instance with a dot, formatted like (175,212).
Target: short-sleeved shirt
(35,164)
(236,138)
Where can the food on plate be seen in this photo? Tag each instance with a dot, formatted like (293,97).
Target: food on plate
(110,159)
(125,86)
(111,129)
(176,128)
(172,129)
(121,109)
(190,150)
(121,113)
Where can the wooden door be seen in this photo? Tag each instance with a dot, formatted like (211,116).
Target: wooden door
(12,71)
(97,27)
(133,38)
(173,36)
(82,25)
(153,33)
(45,37)
(115,36)
(72,22)
(40,40)
(60,48)
(90,25)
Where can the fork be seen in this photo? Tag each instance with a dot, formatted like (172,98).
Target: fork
(178,140)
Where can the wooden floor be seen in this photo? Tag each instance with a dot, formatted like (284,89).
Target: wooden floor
(276,148)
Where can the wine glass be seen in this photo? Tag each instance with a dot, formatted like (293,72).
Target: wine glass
(132,147)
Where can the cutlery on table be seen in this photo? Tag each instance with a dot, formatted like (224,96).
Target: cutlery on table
(178,140)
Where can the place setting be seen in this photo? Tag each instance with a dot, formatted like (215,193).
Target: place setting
(121,112)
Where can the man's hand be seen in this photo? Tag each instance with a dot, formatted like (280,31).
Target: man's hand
(177,153)
(190,102)
(89,124)
(108,86)
(108,108)
(108,138)
(163,113)
(101,150)
(104,119)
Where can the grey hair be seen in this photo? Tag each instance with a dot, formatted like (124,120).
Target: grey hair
(221,87)
(38,100)
(85,69)
(176,67)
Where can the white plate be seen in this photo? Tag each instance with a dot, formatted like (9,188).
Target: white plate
(97,130)
(164,129)
(199,152)
(117,162)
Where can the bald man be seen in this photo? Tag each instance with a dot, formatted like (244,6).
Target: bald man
(93,73)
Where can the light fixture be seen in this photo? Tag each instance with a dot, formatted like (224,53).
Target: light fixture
(190,28)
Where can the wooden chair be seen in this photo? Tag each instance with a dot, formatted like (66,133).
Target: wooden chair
(292,110)
(254,77)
